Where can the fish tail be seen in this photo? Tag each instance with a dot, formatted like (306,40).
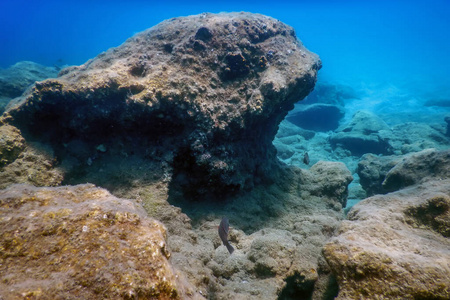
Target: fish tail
(230,248)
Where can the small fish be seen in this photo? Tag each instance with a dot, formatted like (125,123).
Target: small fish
(223,233)
(306,158)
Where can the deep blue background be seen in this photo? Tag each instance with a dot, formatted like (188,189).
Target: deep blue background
(369,42)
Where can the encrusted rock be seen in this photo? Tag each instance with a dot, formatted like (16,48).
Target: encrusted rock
(11,144)
(383,174)
(372,170)
(328,179)
(395,246)
(417,168)
(82,242)
(210,90)
(22,162)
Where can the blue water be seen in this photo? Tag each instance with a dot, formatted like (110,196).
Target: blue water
(361,43)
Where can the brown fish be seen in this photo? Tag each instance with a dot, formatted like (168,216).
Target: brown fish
(306,158)
(223,233)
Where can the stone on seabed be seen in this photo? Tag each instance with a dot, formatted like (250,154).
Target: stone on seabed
(82,242)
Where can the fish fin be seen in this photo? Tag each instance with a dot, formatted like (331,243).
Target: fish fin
(230,248)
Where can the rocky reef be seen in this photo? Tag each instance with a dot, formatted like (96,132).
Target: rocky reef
(207,92)
(176,126)
(182,112)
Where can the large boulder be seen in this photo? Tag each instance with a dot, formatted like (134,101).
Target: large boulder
(317,117)
(395,246)
(418,168)
(372,170)
(82,242)
(366,133)
(383,174)
(205,93)
(328,179)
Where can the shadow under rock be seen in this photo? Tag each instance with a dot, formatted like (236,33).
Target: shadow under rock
(262,207)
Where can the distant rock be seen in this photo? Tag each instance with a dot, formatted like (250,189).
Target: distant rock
(15,80)
(418,168)
(203,93)
(287,129)
(366,133)
(395,246)
(82,242)
(414,137)
(333,94)
(4,101)
(383,174)
(438,102)
(317,117)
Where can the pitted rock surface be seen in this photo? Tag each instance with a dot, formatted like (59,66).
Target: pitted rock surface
(208,91)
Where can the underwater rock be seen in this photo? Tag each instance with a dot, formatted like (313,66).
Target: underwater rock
(208,90)
(4,101)
(383,174)
(22,162)
(11,144)
(438,102)
(372,170)
(15,80)
(287,129)
(414,137)
(328,179)
(334,94)
(366,133)
(395,246)
(317,117)
(80,241)
(417,168)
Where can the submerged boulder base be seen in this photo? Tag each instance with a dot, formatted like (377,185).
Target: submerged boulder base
(210,90)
